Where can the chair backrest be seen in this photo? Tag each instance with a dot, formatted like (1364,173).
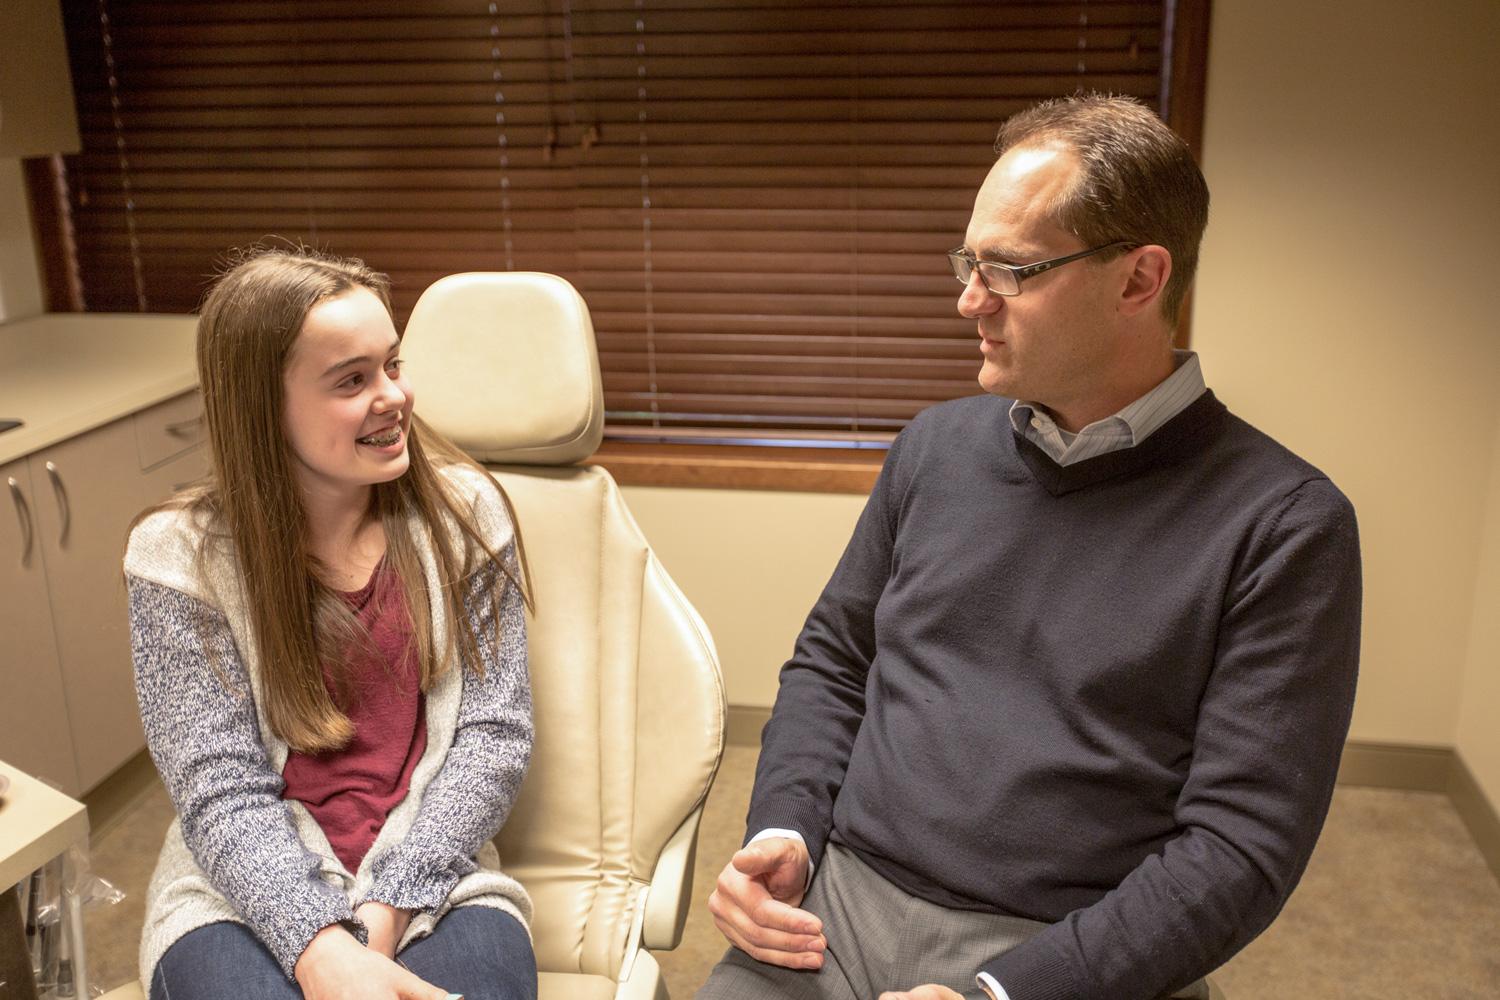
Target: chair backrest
(629,702)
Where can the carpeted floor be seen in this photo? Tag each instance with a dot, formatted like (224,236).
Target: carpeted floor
(1397,902)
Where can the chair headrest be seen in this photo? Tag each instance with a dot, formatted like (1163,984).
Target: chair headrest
(504,365)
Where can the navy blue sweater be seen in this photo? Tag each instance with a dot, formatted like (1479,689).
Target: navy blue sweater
(1109,696)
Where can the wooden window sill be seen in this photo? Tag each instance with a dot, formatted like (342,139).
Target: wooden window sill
(739,467)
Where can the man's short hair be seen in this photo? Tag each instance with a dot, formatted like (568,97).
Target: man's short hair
(1137,179)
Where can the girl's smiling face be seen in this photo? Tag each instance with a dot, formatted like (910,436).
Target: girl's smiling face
(346,405)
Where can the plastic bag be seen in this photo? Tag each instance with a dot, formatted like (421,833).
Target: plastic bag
(52,901)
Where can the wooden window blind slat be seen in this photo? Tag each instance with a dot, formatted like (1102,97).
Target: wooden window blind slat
(746,77)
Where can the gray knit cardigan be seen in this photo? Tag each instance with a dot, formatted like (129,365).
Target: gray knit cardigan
(238,852)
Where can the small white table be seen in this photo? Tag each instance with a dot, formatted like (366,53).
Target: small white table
(37,823)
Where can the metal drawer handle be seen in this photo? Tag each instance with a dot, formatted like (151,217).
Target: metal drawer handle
(23,513)
(185,428)
(61,493)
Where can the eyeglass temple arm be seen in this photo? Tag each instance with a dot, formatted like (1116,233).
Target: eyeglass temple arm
(1047,265)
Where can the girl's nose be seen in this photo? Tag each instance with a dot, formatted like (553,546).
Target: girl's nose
(391,397)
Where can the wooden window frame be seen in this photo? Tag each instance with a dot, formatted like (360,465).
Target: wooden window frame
(705,465)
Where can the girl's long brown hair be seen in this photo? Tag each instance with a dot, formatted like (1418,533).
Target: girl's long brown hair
(246,327)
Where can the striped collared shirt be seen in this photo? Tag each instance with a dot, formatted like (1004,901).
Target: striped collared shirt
(1125,429)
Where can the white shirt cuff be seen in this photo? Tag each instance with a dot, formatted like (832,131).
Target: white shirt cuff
(988,983)
(773,831)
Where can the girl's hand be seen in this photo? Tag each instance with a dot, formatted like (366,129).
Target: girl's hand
(335,966)
(386,925)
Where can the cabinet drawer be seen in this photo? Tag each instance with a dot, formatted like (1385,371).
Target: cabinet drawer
(169,429)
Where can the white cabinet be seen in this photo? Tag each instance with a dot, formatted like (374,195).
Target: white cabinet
(34,730)
(77,500)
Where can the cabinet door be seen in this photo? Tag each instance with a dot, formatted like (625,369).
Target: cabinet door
(35,734)
(89,490)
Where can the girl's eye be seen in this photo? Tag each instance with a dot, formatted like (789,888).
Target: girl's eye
(394,365)
(352,382)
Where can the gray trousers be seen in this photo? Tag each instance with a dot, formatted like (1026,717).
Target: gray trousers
(879,939)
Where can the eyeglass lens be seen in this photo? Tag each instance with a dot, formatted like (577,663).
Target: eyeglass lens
(999,280)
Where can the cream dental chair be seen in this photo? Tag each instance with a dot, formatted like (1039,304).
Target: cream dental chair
(628,698)
(629,702)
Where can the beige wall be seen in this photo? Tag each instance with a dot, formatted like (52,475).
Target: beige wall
(20,283)
(1347,285)
(1479,714)
(1347,299)
(752,563)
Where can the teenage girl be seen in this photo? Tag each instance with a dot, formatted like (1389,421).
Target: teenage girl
(330,656)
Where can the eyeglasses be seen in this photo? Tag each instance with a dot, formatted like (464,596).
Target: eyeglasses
(1005,279)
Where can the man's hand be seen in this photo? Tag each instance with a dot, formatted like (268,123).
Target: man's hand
(754,905)
(932,991)
(385,923)
(335,966)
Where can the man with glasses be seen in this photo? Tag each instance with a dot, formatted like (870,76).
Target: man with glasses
(1065,721)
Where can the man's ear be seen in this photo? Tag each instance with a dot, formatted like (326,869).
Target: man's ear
(1150,267)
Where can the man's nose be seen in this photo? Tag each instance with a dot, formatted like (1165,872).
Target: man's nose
(977,300)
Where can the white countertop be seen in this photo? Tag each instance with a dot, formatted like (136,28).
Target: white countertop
(66,373)
(37,823)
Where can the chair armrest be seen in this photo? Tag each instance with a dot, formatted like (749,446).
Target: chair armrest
(669,896)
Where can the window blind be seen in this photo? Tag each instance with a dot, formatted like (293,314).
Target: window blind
(753,196)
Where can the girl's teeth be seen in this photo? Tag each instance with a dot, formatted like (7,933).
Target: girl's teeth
(380,440)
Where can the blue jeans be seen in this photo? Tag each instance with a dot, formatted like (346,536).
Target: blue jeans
(474,950)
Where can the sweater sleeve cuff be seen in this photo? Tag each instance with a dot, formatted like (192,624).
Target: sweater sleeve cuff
(287,941)
(1031,971)
(408,881)
(810,827)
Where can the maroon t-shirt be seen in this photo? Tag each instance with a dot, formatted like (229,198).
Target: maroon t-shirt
(351,791)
